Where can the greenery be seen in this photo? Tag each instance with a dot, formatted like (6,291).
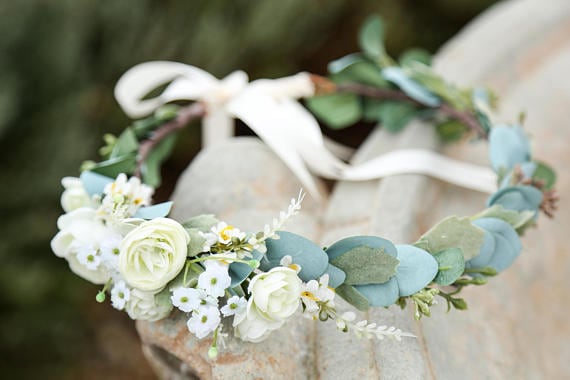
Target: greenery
(59,61)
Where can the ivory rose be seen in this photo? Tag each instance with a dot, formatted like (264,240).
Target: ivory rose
(153,254)
(74,196)
(275,296)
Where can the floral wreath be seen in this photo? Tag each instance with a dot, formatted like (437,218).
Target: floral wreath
(112,235)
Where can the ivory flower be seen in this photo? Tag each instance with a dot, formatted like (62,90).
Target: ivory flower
(275,297)
(153,254)
(74,196)
(148,306)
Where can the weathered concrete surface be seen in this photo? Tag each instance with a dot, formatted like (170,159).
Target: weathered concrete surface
(516,326)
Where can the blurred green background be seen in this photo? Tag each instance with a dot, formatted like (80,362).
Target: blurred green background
(59,61)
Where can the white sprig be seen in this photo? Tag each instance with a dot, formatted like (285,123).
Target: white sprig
(363,329)
(270,230)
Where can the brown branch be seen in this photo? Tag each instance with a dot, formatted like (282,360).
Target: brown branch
(325,86)
(187,114)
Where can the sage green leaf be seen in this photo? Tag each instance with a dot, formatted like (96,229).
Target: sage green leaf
(196,244)
(451,266)
(416,270)
(453,232)
(201,222)
(371,37)
(336,110)
(415,55)
(336,276)
(396,115)
(353,297)
(342,246)
(371,109)
(517,198)
(151,167)
(356,68)
(414,89)
(518,219)
(240,271)
(450,130)
(126,143)
(380,295)
(365,265)
(115,166)
(545,173)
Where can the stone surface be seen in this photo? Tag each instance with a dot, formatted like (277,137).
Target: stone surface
(516,326)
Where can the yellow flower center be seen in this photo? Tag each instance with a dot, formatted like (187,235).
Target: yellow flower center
(224,233)
(309,295)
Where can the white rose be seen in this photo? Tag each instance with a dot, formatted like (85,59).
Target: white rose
(148,306)
(275,296)
(78,229)
(153,254)
(74,196)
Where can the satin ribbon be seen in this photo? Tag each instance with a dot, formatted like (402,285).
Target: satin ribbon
(270,108)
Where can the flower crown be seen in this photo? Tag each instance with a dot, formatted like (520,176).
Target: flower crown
(111,234)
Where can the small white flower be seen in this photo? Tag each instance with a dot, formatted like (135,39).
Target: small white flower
(234,305)
(204,321)
(109,249)
(187,299)
(316,293)
(124,197)
(215,280)
(120,294)
(221,233)
(287,261)
(74,196)
(88,257)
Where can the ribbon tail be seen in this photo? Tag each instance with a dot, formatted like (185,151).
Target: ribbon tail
(420,161)
(217,126)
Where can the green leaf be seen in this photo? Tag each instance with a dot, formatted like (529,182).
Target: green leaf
(201,222)
(365,265)
(450,130)
(115,166)
(126,143)
(151,167)
(196,244)
(371,37)
(353,297)
(336,110)
(451,266)
(356,68)
(545,173)
(415,55)
(371,109)
(453,232)
(394,116)
(518,219)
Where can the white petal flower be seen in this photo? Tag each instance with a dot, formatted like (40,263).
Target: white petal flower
(187,299)
(233,306)
(88,256)
(74,196)
(109,248)
(124,197)
(215,280)
(204,321)
(148,306)
(120,294)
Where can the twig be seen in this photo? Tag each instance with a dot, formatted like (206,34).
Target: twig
(187,114)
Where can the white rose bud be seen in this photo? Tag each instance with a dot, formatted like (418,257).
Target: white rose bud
(74,196)
(153,254)
(275,297)
(148,306)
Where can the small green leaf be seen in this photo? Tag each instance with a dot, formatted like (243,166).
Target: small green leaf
(356,68)
(453,232)
(126,143)
(196,244)
(151,167)
(450,130)
(336,110)
(371,109)
(394,116)
(545,173)
(353,297)
(365,265)
(371,37)
(115,166)
(518,219)
(415,55)
(451,266)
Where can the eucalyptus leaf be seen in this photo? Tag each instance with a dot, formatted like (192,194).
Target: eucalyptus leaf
(201,222)
(396,115)
(365,265)
(336,276)
(345,245)
(527,169)
(518,219)
(450,130)
(240,271)
(411,87)
(415,55)
(417,269)
(351,295)
(380,295)
(196,243)
(155,211)
(545,173)
(94,183)
(309,256)
(508,146)
(517,198)
(126,143)
(451,266)
(115,166)
(453,232)
(356,68)
(336,110)
(371,37)
(151,166)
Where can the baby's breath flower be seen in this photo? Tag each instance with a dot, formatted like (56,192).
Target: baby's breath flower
(204,321)
(120,294)
(234,305)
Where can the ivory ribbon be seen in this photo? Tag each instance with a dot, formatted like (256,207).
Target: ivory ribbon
(270,108)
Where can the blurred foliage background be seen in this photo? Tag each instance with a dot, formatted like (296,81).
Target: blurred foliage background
(59,61)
